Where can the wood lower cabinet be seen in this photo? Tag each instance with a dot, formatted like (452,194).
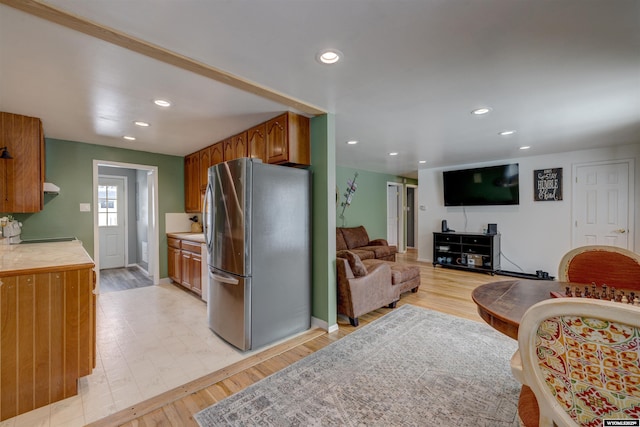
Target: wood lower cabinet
(174,264)
(22,177)
(185,263)
(47,336)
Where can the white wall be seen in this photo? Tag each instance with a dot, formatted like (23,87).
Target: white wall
(534,235)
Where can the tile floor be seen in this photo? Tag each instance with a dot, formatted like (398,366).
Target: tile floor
(149,340)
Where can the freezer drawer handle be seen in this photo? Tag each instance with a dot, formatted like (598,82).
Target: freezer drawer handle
(229,280)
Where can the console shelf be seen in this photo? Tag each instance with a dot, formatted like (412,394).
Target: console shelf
(467,251)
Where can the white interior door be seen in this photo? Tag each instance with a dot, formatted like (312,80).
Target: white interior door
(602,198)
(111,221)
(394,215)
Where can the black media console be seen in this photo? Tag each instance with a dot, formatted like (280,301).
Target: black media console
(467,251)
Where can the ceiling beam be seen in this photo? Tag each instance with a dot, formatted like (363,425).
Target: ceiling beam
(118,38)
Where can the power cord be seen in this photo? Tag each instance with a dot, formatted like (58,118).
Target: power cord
(505,257)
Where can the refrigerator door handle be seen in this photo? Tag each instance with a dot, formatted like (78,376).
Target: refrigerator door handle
(208,200)
(225,279)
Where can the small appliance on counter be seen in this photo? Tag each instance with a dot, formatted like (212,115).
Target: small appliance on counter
(11,230)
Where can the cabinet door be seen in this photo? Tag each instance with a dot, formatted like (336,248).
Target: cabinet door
(239,144)
(195,266)
(22,177)
(205,162)
(277,143)
(257,142)
(229,153)
(185,258)
(192,182)
(174,264)
(217,153)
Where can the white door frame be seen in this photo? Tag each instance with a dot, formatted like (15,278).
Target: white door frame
(154,236)
(400,211)
(125,213)
(630,198)
(415,209)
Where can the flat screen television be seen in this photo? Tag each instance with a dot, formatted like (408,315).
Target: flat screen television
(493,185)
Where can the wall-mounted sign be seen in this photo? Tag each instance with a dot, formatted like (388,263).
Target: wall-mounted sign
(547,184)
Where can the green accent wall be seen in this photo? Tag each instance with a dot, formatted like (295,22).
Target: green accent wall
(323,158)
(369,203)
(69,165)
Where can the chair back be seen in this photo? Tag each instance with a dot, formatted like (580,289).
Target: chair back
(580,357)
(613,266)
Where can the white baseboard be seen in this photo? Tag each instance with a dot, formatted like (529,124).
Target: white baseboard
(318,323)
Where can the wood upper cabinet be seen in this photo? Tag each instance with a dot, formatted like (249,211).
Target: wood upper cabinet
(217,153)
(288,140)
(205,162)
(22,177)
(192,183)
(283,140)
(257,142)
(235,147)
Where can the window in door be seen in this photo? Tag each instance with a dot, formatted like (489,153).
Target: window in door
(107,206)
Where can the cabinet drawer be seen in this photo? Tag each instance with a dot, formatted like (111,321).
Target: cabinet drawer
(173,242)
(191,246)
(476,240)
(445,238)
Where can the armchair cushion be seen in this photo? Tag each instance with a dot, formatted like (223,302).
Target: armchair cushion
(355,237)
(341,245)
(355,263)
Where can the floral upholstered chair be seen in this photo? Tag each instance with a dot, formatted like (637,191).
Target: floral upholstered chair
(581,359)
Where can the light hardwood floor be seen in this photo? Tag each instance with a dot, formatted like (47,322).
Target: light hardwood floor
(444,290)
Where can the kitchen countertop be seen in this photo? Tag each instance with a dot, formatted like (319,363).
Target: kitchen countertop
(42,256)
(194,237)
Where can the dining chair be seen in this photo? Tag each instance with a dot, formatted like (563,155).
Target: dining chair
(581,360)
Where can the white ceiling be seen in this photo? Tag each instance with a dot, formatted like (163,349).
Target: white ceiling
(565,74)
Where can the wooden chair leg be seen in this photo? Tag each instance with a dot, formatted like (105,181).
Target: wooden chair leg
(393,304)
(414,290)
(353,321)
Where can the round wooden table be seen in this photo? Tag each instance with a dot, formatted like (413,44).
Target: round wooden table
(502,304)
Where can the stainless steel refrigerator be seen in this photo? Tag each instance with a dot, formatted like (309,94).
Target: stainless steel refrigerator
(257,226)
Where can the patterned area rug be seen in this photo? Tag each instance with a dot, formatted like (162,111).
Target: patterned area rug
(411,367)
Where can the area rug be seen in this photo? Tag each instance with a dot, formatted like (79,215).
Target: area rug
(411,367)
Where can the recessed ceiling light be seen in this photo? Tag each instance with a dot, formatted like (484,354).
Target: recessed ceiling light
(507,132)
(526,147)
(129,138)
(329,56)
(393,154)
(162,103)
(481,111)
(422,162)
(142,124)
(352,142)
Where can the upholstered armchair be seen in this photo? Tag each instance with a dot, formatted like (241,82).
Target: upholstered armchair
(365,292)
(580,360)
(616,267)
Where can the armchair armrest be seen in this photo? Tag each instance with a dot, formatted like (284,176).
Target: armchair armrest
(363,294)
(379,242)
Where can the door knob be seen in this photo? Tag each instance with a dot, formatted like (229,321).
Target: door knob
(621,230)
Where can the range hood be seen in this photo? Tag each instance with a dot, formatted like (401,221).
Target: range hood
(51,188)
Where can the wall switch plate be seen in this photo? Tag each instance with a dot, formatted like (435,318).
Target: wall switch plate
(85,207)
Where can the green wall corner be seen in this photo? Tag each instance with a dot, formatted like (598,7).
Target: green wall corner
(323,158)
